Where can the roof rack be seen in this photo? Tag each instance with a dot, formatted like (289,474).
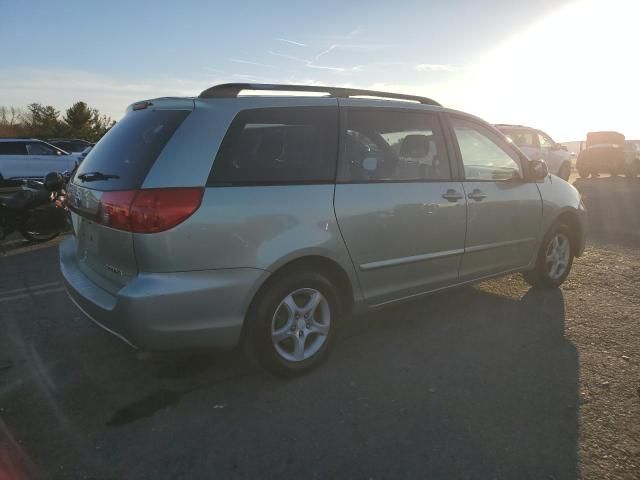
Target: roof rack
(228,90)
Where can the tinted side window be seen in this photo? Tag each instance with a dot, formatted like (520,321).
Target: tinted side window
(278,145)
(40,149)
(483,156)
(12,148)
(388,145)
(522,138)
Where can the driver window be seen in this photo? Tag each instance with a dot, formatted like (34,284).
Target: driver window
(545,142)
(40,149)
(483,157)
(387,145)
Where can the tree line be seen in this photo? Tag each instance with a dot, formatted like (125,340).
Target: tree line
(44,121)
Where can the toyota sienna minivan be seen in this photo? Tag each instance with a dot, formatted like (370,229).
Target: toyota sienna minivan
(225,219)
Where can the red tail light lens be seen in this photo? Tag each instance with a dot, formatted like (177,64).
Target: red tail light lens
(155,210)
(149,211)
(115,209)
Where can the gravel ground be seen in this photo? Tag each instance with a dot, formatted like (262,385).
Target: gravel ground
(494,381)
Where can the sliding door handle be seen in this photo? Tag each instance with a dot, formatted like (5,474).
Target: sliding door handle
(477,195)
(452,195)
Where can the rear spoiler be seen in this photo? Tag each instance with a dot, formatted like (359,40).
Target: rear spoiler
(163,103)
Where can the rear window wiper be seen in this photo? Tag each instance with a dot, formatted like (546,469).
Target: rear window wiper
(93,176)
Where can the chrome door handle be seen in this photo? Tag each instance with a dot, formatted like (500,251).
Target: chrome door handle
(477,195)
(452,195)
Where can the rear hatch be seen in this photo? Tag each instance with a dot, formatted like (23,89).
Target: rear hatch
(108,179)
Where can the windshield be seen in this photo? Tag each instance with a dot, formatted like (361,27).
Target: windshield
(130,148)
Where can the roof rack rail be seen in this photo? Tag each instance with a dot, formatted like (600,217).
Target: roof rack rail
(228,90)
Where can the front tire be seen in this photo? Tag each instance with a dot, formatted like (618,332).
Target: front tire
(554,261)
(292,322)
(35,237)
(564,172)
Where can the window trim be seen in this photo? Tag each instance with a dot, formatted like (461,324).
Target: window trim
(453,167)
(57,151)
(513,151)
(211,183)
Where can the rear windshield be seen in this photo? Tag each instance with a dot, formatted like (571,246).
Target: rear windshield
(130,149)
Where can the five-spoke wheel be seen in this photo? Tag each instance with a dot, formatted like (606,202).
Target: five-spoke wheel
(292,321)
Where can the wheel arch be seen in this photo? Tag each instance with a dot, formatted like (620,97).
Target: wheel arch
(335,273)
(571,218)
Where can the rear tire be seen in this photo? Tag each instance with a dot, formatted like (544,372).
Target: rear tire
(292,322)
(583,172)
(565,171)
(554,260)
(35,237)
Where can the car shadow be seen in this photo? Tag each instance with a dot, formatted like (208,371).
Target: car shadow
(469,384)
(466,384)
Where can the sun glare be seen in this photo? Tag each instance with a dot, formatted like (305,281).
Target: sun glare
(574,71)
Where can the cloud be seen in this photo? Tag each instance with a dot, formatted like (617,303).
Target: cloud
(247,62)
(355,32)
(292,42)
(435,67)
(324,52)
(312,64)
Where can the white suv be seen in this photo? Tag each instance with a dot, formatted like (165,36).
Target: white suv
(32,158)
(537,145)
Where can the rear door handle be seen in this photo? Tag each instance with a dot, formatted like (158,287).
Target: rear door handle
(477,195)
(452,195)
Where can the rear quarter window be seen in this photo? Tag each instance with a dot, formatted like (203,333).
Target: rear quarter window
(130,148)
(284,145)
(13,148)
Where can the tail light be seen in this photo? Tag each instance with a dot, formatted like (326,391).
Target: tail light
(148,211)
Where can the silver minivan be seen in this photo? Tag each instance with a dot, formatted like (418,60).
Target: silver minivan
(260,220)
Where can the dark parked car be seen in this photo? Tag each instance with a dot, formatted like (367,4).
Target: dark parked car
(71,145)
(608,152)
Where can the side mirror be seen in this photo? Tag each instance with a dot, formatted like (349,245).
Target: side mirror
(538,169)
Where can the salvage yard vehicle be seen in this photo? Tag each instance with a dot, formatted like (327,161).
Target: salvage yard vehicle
(32,158)
(537,145)
(264,221)
(608,152)
(32,210)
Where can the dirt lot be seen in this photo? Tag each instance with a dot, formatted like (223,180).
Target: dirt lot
(495,381)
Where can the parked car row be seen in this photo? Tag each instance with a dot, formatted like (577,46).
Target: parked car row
(221,220)
(33,158)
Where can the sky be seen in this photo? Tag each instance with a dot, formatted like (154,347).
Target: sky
(564,66)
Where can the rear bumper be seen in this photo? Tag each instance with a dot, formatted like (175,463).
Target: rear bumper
(166,311)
